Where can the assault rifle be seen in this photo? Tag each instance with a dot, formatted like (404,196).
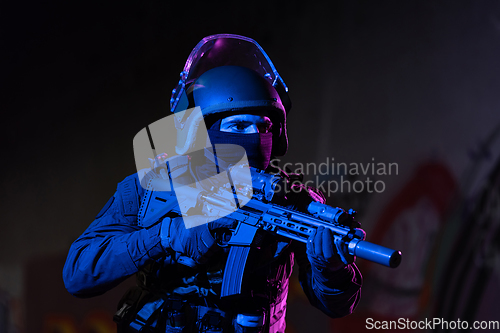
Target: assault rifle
(259,214)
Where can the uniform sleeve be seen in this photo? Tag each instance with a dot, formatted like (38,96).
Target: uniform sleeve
(113,247)
(335,293)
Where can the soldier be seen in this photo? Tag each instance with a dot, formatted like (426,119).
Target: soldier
(243,102)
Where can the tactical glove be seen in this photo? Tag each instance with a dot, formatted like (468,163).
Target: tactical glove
(322,252)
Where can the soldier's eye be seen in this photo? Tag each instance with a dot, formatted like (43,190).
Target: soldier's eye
(241,126)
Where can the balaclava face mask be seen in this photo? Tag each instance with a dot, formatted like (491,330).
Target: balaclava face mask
(228,149)
(258,146)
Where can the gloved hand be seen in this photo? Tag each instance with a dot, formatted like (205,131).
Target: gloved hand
(322,252)
(197,242)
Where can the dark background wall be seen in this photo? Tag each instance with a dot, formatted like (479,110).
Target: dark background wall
(413,83)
